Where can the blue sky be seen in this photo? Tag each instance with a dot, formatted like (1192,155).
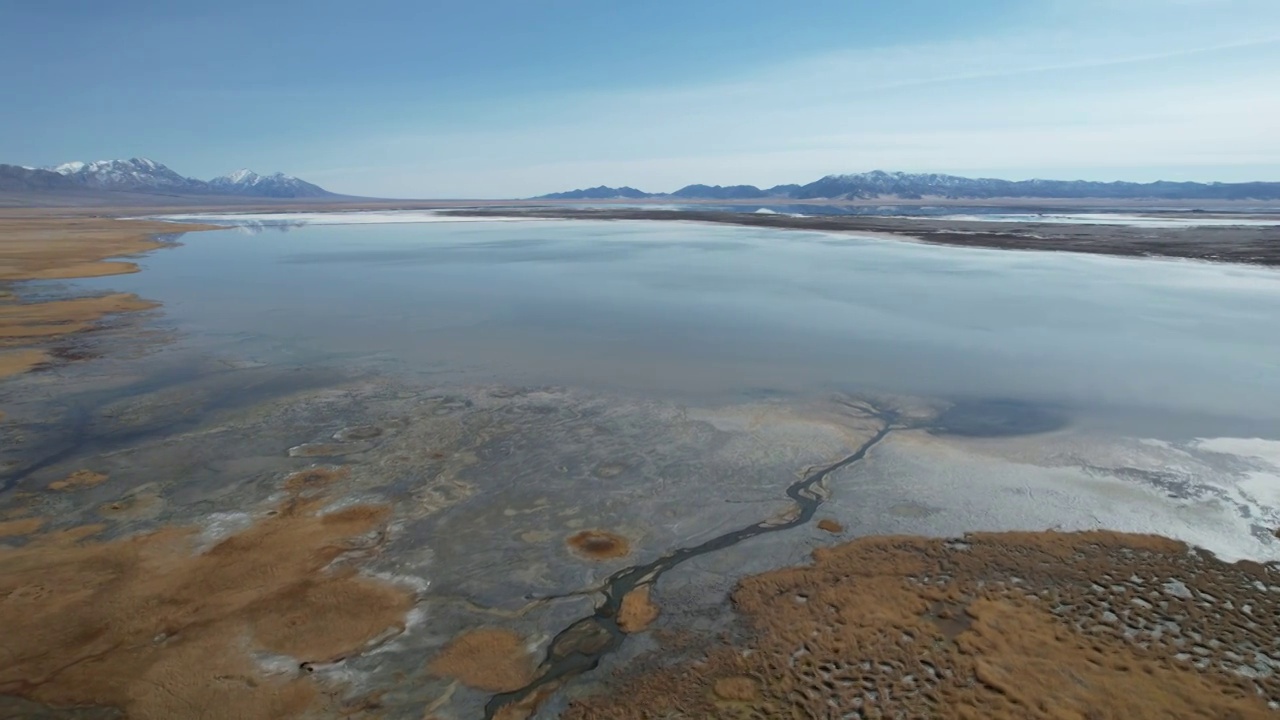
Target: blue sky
(515,98)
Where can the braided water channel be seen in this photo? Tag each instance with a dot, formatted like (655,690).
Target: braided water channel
(581,646)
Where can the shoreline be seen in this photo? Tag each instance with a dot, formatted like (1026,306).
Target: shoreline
(37,246)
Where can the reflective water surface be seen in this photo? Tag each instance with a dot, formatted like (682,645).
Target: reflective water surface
(684,309)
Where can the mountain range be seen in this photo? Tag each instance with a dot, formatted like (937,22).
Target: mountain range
(140,175)
(879,184)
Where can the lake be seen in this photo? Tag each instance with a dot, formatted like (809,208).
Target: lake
(708,311)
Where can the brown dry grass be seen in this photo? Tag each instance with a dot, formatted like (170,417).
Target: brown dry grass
(1086,626)
(638,611)
(736,689)
(36,246)
(25,322)
(20,361)
(78,480)
(146,625)
(486,659)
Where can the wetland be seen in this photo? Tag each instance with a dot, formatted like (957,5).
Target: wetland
(542,467)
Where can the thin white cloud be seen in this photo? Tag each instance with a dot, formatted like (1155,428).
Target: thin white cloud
(1141,89)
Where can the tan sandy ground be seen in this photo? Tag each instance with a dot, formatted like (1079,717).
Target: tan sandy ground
(151,626)
(1085,626)
(45,246)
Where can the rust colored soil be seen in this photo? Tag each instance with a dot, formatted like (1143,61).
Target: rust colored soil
(145,625)
(638,610)
(830,526)
(486,659)
(1085,626)
(599,544)
(78,480)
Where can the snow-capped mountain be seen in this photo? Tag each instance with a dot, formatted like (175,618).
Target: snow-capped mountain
(137,174)
(16,178)
(148,176)
(248,182)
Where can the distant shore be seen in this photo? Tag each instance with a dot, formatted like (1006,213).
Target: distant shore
(1236,244)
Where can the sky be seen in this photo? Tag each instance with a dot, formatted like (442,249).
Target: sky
(511,98)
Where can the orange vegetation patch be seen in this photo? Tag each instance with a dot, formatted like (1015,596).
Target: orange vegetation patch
(599,544)
(830,526)
(1015,625)
(20,361)
(638,611)
(145,625)
(22,526)
(486,659)
(78,480)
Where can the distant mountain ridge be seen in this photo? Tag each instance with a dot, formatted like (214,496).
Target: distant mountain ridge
(916,186)
(141,175)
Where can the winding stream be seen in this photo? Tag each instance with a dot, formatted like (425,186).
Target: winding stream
(583,644)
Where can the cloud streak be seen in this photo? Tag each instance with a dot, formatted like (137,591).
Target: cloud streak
(1188,94)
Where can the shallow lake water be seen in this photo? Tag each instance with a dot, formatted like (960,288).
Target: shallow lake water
(706,311)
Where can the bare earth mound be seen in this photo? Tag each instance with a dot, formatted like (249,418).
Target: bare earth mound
(1016,625)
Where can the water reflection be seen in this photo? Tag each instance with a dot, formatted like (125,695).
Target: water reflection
(681,309)
(257,227)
